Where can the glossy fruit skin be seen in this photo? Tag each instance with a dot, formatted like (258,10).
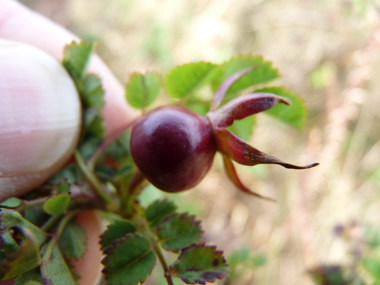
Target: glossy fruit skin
(173,147)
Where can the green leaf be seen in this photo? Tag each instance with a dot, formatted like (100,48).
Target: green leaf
(159,210)
(11,203)
(178,231)
(57,204)
(10,219)
(243,128)
(198,264)
(93,92)
(93,123)
(129,260)
(64,187)
(200,108)
(295,114)
(77,57)
(58,270)
(372,266)
(27,256)
(263,72)
(72,241)
(328,274)
(142,89)
(116,230)
(185,80)
(32,275)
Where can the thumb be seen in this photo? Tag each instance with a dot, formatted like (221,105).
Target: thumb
(39,117)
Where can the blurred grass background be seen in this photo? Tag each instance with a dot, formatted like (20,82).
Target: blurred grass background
(329,53)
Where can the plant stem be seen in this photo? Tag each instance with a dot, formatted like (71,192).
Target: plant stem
(49,223)
(91,178)
(163,263)
(50,246)
(32,203)
(110,139)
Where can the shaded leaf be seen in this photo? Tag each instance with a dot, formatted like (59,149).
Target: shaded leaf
(64,187)
(198,264)
(129,260)
(36,215)
(263,72)
(93,92)
(32,275)
(116,230)
(178,231)
(73,242)
(185,80)
(76,58)
(200,108)
(295,114)
(57,204)
(159,210)
(11,203)
(143,89)
(27,256)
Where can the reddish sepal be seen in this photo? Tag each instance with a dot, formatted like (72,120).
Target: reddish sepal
(242,107)
(232,175)
(241,152)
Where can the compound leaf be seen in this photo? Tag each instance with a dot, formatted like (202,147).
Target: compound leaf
(185,80)
(159,210)
(178,231)
(73,242)
(116,230)
(76,58)
(142,89)
(263,72)
(198,264)
(11,203)
(93,92)
(294,114)
(57,204)
(129,260)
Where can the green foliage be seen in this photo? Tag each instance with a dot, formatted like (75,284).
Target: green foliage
(159,210)
(326,275)
(64,187)
(116,230)
(178,231)
(56,205)
(295,114)
(77,57)
(129,260)
(372,266)
(27,256)
(143,89)
(185,80)
(73,241)
(243,128)
(198,264)
(37,247)
(11,203)
(263,72)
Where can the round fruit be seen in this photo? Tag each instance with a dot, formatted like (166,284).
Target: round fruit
(173,147)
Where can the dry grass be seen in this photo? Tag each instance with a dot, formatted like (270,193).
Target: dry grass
(328,52)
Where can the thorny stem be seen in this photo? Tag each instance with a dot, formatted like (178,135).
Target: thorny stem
(110,139)
(91,178)
(163,263)
(50,246)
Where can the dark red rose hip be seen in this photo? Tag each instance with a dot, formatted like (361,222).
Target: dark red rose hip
(173,147)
